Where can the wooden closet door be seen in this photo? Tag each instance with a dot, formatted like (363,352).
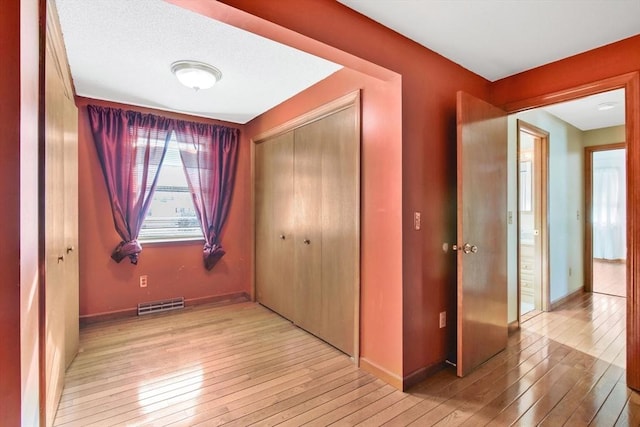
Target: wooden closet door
(308,225)
(340,200)
(70,241)
(54,292)
(274,208)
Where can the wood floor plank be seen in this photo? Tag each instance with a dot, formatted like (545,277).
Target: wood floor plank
(241,364)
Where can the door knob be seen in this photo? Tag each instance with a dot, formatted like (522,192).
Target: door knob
(69,249)
(306,241)
(466,248)
(282,237)
(60,258)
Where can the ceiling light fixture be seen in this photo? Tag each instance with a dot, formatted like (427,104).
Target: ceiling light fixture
(196,75)
(604,106)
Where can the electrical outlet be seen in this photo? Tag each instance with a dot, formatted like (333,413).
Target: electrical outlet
(443,319)
(143,281)
(417,220)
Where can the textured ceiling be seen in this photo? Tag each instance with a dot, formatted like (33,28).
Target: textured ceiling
(121,50)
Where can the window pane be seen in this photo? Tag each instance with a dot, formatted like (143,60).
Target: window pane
(171,215)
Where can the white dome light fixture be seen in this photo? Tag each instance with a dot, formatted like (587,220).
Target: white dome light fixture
(604,106)
(196,75)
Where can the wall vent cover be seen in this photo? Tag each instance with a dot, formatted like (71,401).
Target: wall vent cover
(159,306)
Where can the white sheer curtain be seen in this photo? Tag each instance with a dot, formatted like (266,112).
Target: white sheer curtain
(609,212)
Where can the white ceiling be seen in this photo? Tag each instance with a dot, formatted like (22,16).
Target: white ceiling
(584,113)
(121,50)
(499,38)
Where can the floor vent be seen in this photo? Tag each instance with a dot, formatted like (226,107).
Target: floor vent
(159,306)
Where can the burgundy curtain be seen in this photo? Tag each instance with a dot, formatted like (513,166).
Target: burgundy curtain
(209,154)
(131,147)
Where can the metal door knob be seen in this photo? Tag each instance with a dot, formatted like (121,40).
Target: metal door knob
(467,248)
(306,241)
(282,237)
(69,249)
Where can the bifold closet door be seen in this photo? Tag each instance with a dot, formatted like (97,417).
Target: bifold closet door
(308,224)
(274,207)
(340,202)
(307,204)
(326,176)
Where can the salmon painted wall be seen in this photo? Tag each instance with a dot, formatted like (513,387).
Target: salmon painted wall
(10,225)
(380,284)
(429,85)
(608,61)
(173,269)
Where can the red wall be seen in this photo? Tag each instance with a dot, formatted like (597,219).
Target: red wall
(19,30)
(10,224)
(381,244)
(429,85)
(427,183)
(174,269)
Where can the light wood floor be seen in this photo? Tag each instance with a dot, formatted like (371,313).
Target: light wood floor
(243,365)
(610,277)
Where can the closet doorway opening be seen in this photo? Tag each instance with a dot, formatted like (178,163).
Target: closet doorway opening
(533,246)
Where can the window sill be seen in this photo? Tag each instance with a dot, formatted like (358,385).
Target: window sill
(169,240)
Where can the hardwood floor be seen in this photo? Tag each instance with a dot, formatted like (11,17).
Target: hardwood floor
(610,277)
(243,365)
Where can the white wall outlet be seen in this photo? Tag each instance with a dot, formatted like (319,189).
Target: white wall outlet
(143,281)
(417,220)
(443,319)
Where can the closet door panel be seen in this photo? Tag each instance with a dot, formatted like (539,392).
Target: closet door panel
(54,344)
(308,223)
(274,206)
(340,228)
(71,280)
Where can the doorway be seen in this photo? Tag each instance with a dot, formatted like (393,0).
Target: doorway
(532,218)
(605,225)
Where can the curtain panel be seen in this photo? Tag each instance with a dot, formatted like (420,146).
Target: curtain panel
(209,155)
(131,147)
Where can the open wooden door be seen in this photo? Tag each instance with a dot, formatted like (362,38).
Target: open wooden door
(482,232)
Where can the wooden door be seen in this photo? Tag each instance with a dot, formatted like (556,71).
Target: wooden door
(59,294)
(340,227)
(482,232)
(274,207)
(54,293)
(70,241)
(308,227)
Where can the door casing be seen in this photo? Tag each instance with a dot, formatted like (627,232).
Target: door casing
(542,247)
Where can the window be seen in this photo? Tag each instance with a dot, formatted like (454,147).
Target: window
(171,214)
